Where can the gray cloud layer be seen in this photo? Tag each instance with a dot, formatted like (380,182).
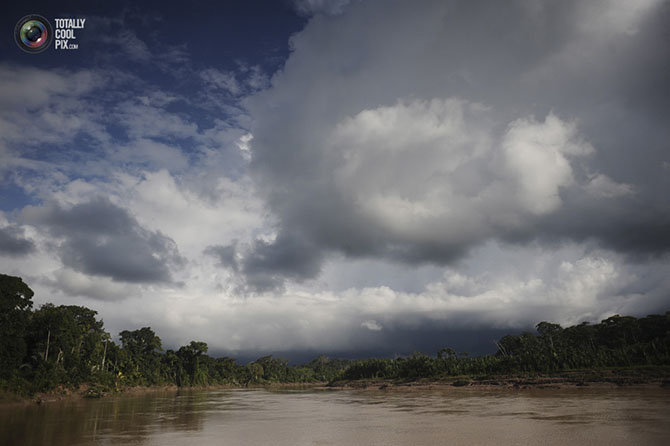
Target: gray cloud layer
(103,239)
(414,131)
(264,265)
(14,243)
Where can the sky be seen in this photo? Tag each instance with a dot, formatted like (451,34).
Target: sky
(350,177)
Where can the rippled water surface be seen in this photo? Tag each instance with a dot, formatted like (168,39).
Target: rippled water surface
(339,417)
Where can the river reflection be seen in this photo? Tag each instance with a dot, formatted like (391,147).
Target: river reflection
(324,417)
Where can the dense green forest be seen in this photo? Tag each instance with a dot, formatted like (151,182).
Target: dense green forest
(55,347)
(65,346)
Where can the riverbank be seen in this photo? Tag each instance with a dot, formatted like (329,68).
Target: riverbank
(634,377)
(88,392)
(647,377)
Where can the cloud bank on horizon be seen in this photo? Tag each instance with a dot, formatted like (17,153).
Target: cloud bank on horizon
(406,170)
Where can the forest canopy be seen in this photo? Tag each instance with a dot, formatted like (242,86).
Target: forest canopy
(66,346)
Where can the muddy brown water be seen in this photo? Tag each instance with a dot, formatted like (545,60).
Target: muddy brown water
(455,416)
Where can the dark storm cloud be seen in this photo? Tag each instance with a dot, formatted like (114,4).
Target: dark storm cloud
(224,254)
(264,265)
(290,255)
(629,226)
(414,131)
(101,238)
(428,339)
(14,243)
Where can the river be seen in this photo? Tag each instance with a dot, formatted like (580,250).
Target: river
(583,416)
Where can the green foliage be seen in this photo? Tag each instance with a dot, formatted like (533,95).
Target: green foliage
(63,346)
(194,373)
(372,369)
(15,305)
(615,342)
(139,357)
(270,369)
(326,369)
(69,338)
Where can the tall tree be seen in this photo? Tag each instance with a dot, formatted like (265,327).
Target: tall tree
(141,360)
(190,356)
(15,305)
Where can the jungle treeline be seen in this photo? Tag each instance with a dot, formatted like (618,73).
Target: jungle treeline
(65,346)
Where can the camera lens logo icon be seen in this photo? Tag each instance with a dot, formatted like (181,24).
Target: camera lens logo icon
(33,33)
